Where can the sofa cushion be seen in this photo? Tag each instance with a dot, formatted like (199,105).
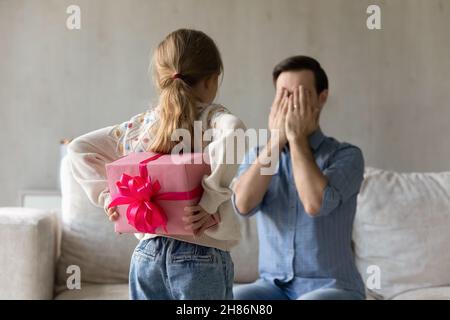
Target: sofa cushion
(438,293)
(402,227)
(90,291)
(88,239)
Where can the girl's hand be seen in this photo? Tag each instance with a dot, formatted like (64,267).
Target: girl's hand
(112,214)
(195,219)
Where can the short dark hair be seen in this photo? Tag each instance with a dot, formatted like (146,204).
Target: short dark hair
(298,63)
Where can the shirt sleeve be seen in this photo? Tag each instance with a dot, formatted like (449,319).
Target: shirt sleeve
(345,175)
(248,160)
(216,186)
(88,155)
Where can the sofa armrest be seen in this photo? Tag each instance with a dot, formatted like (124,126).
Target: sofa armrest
(27,253)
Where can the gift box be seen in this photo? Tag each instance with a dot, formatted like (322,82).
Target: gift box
(151,191)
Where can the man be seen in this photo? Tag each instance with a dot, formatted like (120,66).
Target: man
(305,210)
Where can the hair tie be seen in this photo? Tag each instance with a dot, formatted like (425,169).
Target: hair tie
(177,76)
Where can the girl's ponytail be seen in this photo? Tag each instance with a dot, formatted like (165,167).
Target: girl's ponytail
(178,110)
(181,60)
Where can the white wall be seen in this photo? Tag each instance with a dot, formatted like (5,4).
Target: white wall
(389,89)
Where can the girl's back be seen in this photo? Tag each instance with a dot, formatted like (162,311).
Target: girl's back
(186,66)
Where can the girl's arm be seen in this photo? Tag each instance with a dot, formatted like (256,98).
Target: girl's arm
(88,155)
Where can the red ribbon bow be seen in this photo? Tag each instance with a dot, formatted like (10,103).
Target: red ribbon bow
(140,194)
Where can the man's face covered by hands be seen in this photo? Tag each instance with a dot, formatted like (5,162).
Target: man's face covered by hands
(296,108)
(290,80)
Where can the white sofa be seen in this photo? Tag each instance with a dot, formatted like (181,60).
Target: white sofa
(401,235)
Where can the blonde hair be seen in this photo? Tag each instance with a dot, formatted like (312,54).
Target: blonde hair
(180,61)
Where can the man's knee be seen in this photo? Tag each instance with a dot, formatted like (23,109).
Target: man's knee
(259,290)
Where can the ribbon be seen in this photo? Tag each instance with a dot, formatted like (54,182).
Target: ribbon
(140,193)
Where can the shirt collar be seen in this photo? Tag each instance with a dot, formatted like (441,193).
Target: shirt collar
(316,138)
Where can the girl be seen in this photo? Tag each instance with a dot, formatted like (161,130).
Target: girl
(187,66)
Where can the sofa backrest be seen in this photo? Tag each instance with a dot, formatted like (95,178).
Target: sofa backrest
(402,231)
(88,240)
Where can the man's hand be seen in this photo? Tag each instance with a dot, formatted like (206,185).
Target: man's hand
(252,185)
(302,118)
(196,219)
(277,116)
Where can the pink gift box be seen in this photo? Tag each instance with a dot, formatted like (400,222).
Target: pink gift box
(178,176)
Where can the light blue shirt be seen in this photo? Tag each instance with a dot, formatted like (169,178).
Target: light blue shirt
(303,252)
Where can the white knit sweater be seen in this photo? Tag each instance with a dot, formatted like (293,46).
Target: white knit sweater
(90,153)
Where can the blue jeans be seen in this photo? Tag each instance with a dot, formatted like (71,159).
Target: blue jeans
(165,269)
(266,290)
